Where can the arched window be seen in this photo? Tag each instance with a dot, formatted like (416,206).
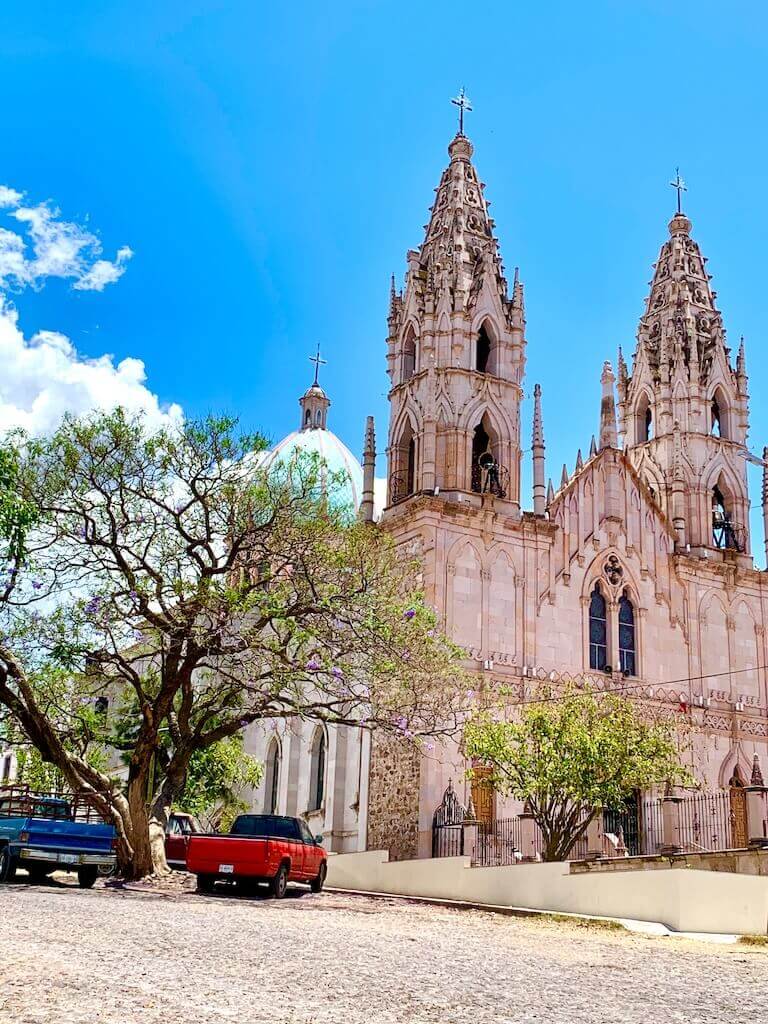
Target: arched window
(719,416)
(644,420)
(317,770)
(318,417)
(272,778)
(481,443)
(598,631)
(409,355)
(403,479)
(725,533)
(308,418)
(627,637)
(483,357)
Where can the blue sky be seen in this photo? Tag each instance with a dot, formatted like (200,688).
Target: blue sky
(269,165)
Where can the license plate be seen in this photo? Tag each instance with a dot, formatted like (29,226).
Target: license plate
(69,858)
(226,869)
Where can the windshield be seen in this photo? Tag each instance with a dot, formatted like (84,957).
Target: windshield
(274,825)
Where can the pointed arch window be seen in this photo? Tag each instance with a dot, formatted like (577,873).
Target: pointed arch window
(725,533)
(719,426)
(644,420)
(317,770)
(627,637)
(409,355)
(483,353)
(403,479)
(598,631)
(272,778)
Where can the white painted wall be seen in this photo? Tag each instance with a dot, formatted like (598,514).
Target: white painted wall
(681,899)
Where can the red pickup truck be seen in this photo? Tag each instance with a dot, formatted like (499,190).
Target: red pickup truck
(260,848)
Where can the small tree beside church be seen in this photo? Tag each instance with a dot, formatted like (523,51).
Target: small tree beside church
(568,756)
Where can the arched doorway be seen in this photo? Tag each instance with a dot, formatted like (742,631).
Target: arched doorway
(738,797)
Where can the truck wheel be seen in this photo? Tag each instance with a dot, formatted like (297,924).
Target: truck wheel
(86,877)
(316,885)
(279,883)
(205,883)
(7,865)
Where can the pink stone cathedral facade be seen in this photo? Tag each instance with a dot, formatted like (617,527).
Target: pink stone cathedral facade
(636,571)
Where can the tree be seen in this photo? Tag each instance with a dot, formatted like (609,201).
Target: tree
(216,779)
(569,755)
(197,592)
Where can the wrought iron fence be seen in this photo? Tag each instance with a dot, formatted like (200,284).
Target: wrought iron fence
(706,822)
(448,826)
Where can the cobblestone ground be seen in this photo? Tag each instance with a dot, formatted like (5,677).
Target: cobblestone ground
(119,957)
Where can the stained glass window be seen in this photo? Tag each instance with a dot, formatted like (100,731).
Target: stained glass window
(598,631)
(627,659)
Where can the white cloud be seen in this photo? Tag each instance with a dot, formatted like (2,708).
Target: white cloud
(52,247)
(44,377)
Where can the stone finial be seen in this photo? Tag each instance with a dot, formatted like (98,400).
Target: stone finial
(609,436)
(550,493)
(564,477)
(757,773)
(592,447)
(369,470)
(539,493)
(579,461)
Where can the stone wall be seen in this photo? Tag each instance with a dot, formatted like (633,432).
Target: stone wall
(393,797)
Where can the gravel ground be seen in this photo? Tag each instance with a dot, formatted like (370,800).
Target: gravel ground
(118,957)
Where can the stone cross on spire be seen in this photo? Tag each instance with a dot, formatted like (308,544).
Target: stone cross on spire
(318,363)
(681,187)
(462,102)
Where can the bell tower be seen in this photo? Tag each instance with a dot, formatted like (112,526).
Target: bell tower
(683,411)
(456,352)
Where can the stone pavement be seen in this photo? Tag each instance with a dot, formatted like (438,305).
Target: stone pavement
(117,957)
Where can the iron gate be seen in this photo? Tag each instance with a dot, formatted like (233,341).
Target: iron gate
(448,826)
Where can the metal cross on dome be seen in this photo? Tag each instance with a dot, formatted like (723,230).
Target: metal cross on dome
(318,363)
(681,187)
(463,103)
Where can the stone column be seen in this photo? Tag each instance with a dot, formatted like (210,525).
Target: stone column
(757,808)
(670,824)
(471,829)
(595,837)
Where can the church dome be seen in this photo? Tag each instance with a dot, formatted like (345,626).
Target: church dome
(336,460)
(314,438)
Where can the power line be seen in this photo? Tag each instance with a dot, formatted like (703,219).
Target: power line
(637,686)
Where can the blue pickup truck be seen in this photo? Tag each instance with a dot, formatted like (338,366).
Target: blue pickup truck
(42,833)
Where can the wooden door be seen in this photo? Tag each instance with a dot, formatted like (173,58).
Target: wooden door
(738,815)
(483,794)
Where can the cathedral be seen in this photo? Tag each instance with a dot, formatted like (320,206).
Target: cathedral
(635,572)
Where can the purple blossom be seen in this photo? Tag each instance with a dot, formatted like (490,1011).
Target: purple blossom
(36,584)
(180,507)
(470,694)
(83,532)
(430,632)
(429,746)
(337,673)
(313,665)
(409,614)
(133,595)
(93,606)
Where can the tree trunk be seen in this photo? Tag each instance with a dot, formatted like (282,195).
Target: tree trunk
(140,863)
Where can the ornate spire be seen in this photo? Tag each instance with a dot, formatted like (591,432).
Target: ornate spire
(609,437)
(459,249)
(592,447)
(550,493)
(539,494)
(564,477)
(579,461)
(681,328)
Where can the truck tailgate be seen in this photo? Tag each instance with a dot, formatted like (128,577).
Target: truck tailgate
(232,855)
(69,836)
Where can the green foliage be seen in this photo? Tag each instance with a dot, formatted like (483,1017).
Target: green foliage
(216,778)
(16,514)
(571,754)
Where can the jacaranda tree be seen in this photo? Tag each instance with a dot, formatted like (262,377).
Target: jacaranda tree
(171,590)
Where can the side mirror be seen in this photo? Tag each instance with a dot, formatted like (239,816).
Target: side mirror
(318,840)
